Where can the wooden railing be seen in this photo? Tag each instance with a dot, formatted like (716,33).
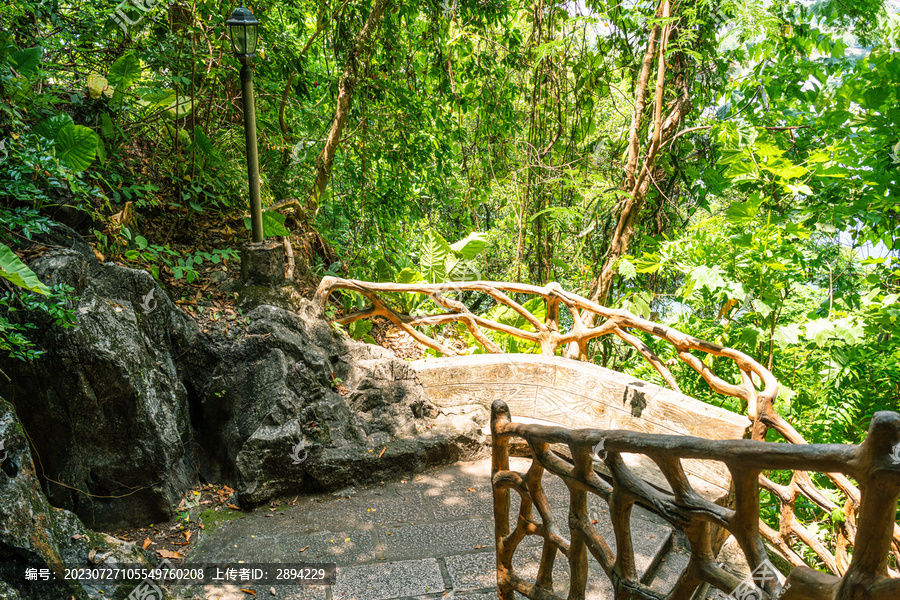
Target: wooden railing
(591,320)
(871,464)
(547,333)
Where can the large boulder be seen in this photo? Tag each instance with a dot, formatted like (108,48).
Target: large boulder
(127,408)
(104,406)
(296,406)
(35,535)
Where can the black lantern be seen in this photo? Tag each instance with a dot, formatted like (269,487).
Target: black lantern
(244,33)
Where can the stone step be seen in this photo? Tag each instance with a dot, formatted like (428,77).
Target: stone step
(430,536)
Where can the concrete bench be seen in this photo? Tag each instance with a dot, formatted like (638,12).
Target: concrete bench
(575,394)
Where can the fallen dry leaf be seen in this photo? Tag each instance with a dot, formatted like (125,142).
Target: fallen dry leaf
(187,535)
(169,554)
(147,543)
(251,592)
(380,454)
(471,490)
(233,507)
(124,216)
(304,549)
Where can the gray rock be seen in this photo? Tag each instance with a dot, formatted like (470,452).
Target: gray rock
(33,534)
(104,406)
(218,276)
(295,406)
(127,408)
(60,236)
(65,266)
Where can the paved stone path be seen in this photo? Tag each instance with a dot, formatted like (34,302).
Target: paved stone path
(429,537)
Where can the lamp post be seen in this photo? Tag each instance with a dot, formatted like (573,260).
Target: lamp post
(244,36)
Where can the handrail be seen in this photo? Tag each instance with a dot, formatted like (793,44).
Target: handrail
(760,403)
(871,464)
(547,334)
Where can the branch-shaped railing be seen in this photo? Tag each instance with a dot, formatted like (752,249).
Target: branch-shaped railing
(547,334)
(871,464)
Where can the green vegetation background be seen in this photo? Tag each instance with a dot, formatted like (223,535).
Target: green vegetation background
(504,118)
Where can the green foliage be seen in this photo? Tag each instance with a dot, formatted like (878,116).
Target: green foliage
(273,224)
(76,146)
(30,300)
(20,313)
(441,262)
(22,222)
(359,330)
(182,265)
(512,122)
(14,270)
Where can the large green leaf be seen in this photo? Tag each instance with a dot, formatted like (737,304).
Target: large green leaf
(27,60)
(13,269)
(272,222)
(435,254)
(76,145)
(156,97)
(787,335)
(383,270)
(96,83)
(743,212)
(463,270)
(819,331)
(784,168)
(122,74)
(750,335)
(470,246)
(709,278)
(50,128)
(203,143)
(409,276)
(125,71)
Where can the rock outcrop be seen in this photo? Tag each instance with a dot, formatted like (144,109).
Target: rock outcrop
(35,535)
(105,406)
(130,407)
(295,406)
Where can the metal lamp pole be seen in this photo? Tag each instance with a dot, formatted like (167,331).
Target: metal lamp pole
(252,156)
(244,37)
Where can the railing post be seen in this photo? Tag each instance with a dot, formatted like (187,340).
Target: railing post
(578,517)
(500,462)
(879,492)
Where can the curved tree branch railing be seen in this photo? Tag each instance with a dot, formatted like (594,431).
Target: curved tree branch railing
(870,463)
(617,322)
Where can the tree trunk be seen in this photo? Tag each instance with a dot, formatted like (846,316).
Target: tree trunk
(346,88)
(639,174)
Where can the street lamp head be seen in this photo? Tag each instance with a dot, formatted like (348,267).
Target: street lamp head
(244,33)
